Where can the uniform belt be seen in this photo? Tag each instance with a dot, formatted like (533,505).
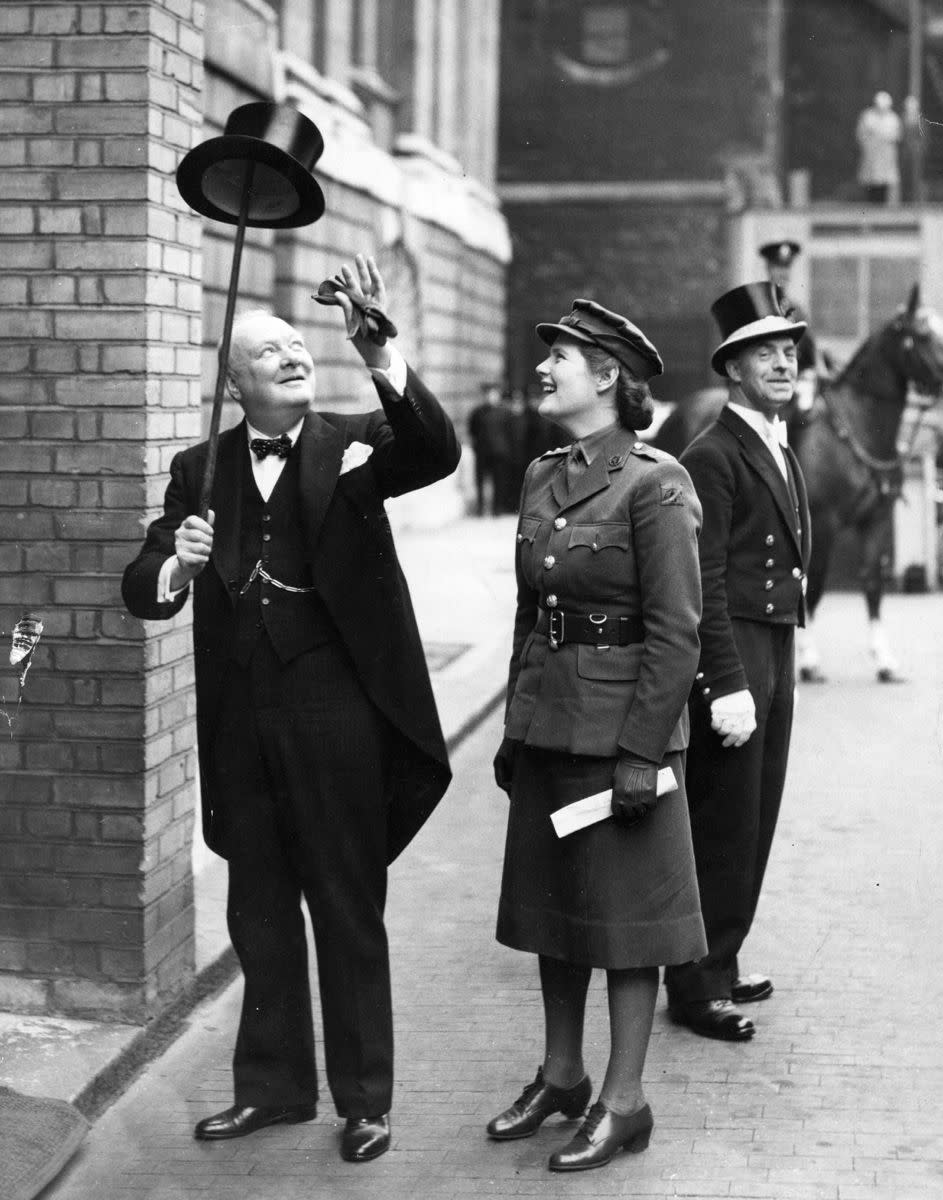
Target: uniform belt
(590,629)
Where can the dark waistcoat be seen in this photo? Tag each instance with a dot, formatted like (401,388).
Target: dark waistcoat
(272,534)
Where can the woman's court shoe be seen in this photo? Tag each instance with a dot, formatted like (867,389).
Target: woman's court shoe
(750,988)
(601,1135)
(365,1138)
(243,1118)
(714,1019)
(538,1101)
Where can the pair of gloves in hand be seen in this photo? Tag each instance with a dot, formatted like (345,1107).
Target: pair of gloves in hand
(634,783)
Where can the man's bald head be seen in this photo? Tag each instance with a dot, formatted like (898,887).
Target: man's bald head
(270,372)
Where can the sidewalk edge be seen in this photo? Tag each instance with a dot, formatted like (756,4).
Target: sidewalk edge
(153,1039)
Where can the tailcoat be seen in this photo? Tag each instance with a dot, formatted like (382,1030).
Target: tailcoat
(618,540)
(319,743)
(754,552)
(349,548)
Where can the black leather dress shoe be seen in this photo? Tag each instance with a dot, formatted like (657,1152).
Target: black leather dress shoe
(537,1102)
(601,1135)
(713,1019)
(243,1118)
(365,1138)
(750,988)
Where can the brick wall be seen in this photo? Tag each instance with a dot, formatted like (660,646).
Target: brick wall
(100,329)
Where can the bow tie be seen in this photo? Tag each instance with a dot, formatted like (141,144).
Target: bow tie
(280,446)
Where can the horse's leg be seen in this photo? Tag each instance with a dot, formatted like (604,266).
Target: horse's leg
(876,541)
(807,653)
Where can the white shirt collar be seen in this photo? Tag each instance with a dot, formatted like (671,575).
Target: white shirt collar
(292,433)
(769,431)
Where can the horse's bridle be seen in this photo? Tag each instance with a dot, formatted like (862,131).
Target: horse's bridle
(882,468)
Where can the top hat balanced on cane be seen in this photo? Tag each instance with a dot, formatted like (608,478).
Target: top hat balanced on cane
(258,173)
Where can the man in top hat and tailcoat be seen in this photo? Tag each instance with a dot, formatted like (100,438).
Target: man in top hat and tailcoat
(754,551)
(320,747)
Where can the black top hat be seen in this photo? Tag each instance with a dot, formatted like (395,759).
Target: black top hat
(750,313)
(590,322)
(781,252)
(281,145)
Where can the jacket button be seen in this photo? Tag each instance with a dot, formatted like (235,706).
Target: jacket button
(796,573)
(267,517)
(770,539)
(769,563)
(769,608)
(768,585)
(559,523)
(551,601)
(266,537)
(549,561)
(699,675)
(520,537)
(265,600)
(706,691)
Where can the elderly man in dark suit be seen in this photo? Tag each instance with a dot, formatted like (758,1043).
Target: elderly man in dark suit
(320,747)
(754,551)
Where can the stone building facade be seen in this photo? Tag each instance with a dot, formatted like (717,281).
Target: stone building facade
(629,130)
(111,296)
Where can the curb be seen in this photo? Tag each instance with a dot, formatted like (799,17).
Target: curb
(153,1039)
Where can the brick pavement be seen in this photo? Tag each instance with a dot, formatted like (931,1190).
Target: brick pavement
(836,1098)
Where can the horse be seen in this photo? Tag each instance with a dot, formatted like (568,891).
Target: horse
(847,447)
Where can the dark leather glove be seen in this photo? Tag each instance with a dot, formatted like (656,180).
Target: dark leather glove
(634,788)
(374,324)
(504,764)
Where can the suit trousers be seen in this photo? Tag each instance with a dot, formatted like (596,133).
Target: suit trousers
(734,796)
(302,761)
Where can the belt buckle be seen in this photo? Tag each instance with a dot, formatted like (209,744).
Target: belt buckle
(556,629)
(598,620)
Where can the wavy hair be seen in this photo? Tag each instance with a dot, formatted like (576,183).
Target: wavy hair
(635,407)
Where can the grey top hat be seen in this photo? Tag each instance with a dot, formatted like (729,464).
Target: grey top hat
(280,146)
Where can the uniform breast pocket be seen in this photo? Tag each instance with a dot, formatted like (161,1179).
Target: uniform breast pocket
(599,537)
(609,663)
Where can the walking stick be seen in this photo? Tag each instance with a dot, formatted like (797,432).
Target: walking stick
(209,470)
(258,173)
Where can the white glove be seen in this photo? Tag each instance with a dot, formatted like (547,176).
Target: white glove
(733,717)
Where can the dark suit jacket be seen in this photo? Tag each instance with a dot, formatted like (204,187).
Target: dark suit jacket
(354,566)
(623,543)
(754,551)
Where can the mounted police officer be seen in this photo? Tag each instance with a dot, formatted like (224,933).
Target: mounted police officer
(754,551)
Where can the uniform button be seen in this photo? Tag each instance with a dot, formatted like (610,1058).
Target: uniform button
(699,675)
(266,537)
(769,608)
(769,563)
(639,446)
(551,601)
(560,523)
(707,691)
(265,600)
(768,585)
(267,517)
(796,573)
(549,561)
(520,537)
(770,539)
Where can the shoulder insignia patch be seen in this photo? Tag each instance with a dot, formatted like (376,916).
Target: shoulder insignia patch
(671,493)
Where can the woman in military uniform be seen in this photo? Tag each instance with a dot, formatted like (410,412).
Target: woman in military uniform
(604,655)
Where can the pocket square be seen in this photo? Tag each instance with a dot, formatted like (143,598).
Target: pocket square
(355,455)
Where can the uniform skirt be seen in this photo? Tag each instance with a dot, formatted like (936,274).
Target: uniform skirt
(610,895)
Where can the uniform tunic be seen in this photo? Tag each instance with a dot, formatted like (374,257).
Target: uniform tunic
(619,540)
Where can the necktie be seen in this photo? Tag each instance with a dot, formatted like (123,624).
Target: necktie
(280,446)
(574,465)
